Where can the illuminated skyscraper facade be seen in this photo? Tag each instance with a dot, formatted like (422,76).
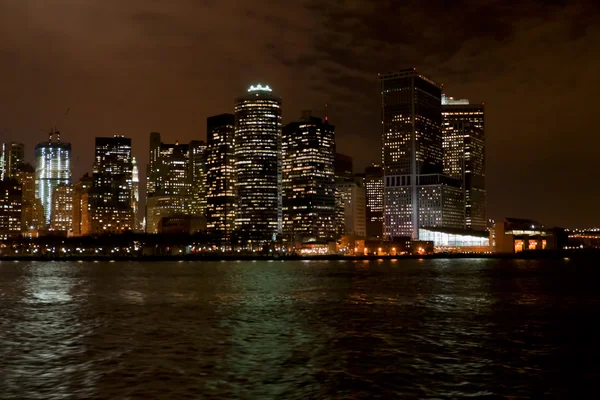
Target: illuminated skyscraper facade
(82,210)
(258,165)
(10,209)
(197,177)
(374,200)
(62,209)
(220,178)
(464,155)
(52,168)
(168,181)
(135,194)
(111,194)
(32,216)
(12,155)
(308,180)
(415,191)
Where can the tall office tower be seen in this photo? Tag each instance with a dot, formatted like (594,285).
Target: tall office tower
(197,177)
(11,198)
(464,155)
(308,180)
(32,215)
(52,168)
(258,165)
(374,200)
(62,208)
(170,182)
(343,166)
(353,197)
(416,194)
(135,194)
(12,155)
(220,178)
(152,169)
(112,189)
(81,206)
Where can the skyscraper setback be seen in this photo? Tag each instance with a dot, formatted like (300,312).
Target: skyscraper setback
(258,164)
(52,168)
(309,206)
(464,155)
(415,191)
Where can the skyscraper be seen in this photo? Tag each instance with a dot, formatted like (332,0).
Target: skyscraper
(10,209)
(32,216)
(168,181)
(464,155)
(112,210)
(61,218)
(135,194)
(82,212)
(308,153)
(220,178)
(415,191)
(52,168)
(12,155)
(258,164)
(197,177)
(374,200)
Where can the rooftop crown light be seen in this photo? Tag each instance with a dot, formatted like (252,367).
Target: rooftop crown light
(259,87)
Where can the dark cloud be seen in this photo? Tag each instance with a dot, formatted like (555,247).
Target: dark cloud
(135,66)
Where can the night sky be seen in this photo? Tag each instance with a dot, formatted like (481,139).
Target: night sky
(134,66)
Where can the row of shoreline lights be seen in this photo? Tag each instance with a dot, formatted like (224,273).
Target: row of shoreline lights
(260,87)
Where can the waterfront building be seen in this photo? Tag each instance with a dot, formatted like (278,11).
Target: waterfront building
(374,201)
(464,155)
(12,155)
(61,216)
(258,165)
(514,235)
(309,203)
(416,194)
(81,206)
(52,168)
(220,178)
(168,181)
(11,197)
(112,191)
(197,176)
(353,198)
(32,216)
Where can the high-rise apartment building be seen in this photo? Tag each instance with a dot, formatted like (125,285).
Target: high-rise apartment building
(82,208)
(353,198)
(112,190)
(52,168)
(258,165)
(10,209)
(464,155)
(416,194)
(308,180)
(12,155)
(197,177)
(168,181)
(374,201)
(61,217)
(220,178)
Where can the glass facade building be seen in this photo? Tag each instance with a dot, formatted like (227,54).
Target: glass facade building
(197,176)
(62,208)
(11,198)
(258,165)
(412,155)
(220,178)
(12,155)
(464,155)
(52,168)
(308,180)
(374,193)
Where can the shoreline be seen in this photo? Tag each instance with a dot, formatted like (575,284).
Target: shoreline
(253,257)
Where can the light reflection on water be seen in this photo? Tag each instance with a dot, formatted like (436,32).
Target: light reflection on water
(307,329)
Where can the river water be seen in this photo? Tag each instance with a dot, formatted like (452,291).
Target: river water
(299,329)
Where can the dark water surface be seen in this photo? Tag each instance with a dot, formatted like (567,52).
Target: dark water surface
(293,330)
